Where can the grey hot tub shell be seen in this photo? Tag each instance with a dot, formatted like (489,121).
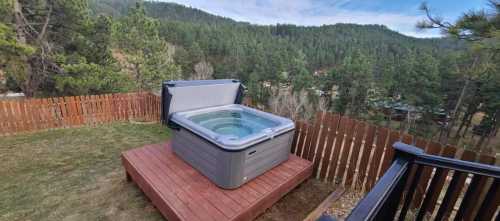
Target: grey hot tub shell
(227,162)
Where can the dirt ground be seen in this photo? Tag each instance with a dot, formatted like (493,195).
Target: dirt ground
(341,208)
(299,202)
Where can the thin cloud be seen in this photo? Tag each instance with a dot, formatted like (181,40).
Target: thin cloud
(308,12)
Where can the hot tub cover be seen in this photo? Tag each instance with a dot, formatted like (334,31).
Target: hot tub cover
(189,95)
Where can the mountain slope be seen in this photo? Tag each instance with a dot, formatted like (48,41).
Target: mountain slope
(238,48)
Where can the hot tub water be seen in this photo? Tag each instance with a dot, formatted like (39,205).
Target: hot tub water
(235,123)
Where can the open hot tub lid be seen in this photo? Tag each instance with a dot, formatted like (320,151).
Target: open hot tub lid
(190,95)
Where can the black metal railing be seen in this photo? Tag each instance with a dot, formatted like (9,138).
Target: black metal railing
(391,198)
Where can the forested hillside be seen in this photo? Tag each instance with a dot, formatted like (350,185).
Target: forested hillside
(72,47)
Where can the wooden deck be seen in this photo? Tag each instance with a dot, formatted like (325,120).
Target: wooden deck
(181,193)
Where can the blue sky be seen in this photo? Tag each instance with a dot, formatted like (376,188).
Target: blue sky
(397,15)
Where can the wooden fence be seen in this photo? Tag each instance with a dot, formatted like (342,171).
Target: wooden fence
(356,154)
(17,116)
(349,152)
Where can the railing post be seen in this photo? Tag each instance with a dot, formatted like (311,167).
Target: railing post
(407,153)
(381,203)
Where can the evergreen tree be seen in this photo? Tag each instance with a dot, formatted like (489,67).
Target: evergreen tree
(150,56)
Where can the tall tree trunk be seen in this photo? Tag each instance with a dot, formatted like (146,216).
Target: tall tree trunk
(462,124)
(467,125)
(449,127)
(20,25)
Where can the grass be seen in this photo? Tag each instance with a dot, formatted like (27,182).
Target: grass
(74,174)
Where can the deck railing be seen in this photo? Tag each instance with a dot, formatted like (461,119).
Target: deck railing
(393,195)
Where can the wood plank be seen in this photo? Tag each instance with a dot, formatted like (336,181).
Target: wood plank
(109,99)
(80,110)
(165,182)
(273,196)
(100,109)
(365,156)
(107,108)
(12,116)
(302,140)
(296,136)
(388,152)
(114,107)
(21,110)
(473,196)
(338,146)
(425,177)
(325,205)
(356,149)
(16,115)
(47,114)
(166,202)
(66,119)
(375,162)
(28,115)
(4,129)
(70,107)
(85,110)
(312,140)
(193,182)
(435,186)
(318,157)
(454,189)
(186,190)
(36,113)
(181,193)
(93,109)
(329,145)
(490,203)
(345,149)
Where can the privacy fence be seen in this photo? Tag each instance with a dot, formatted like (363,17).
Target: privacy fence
(356,154)
(17,116)
(346,151)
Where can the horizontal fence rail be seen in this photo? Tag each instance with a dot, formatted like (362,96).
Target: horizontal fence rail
(17,116)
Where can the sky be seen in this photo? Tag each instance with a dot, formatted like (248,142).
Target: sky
(399,15)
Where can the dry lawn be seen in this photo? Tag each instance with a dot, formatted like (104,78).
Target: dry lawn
(73,174)
(76,174)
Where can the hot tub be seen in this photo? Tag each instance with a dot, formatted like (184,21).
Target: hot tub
(228,143)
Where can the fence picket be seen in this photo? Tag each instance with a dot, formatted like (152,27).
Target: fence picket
(388,152)
(332,134)
(375,162)
(452,193)
(3,119)
(313,138)
(319,157)
(346,147)
(474,195)
(436,185)
(336,150)
(365,156)
(296,135)
(425,177)
(360,131)
(302,141)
